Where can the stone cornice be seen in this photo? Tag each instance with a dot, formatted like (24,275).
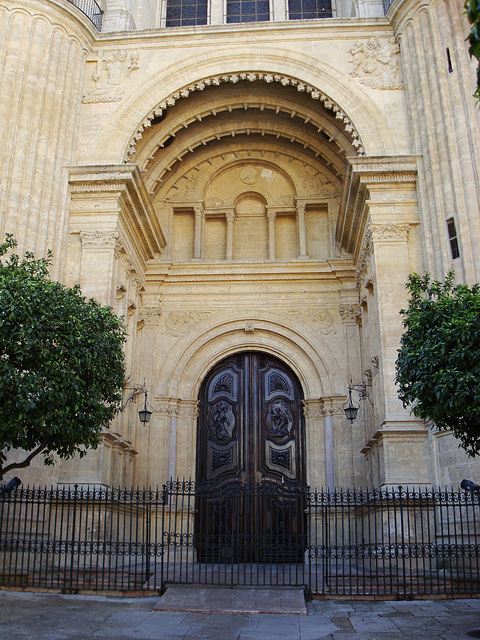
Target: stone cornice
(128,182)
(385,169)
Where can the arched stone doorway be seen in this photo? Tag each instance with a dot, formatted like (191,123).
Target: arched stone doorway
(250,462)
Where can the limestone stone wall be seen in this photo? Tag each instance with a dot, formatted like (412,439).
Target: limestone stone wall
(43,47)
(256,187)
(439,82)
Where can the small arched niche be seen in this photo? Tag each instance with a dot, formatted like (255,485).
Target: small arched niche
(250,237)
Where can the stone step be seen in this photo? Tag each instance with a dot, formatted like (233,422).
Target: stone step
(211,599)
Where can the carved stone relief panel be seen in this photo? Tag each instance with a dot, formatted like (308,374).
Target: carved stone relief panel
(113,67)
(376,64)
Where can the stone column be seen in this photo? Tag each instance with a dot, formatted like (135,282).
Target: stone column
(302,242)
(271,215)
(42,77)
(187,435)
(197,243)
(97,265)
(315,443)
(279,8)
(230,216)
(445,129)
(172,439)
(399,440)
(338,451)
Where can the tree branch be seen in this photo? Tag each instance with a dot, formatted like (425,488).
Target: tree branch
(26,462)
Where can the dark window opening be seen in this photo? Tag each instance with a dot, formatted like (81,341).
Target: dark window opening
(248,10)
(309,9)
(452,236)
(449,61)
(186,13)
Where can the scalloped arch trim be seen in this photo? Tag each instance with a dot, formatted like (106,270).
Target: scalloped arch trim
(217,80)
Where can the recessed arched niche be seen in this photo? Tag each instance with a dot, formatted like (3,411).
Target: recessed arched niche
(250,237)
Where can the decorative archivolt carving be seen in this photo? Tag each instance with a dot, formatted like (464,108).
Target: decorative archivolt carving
(99,239)
(217,80)
(350,311)
(322,321)
(214,202)
(109,74)
(397,232)
(177,322)
(376,65)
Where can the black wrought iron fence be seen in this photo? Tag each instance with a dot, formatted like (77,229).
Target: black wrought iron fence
(91,9)
(392,542)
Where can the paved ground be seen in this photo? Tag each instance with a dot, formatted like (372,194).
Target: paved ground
(55,617)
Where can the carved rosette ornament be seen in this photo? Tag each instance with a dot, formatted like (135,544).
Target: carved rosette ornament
(217,80)
(376,65)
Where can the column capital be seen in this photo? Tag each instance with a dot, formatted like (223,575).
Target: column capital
(313,408)
(99,239)
(389,232)
(333,405)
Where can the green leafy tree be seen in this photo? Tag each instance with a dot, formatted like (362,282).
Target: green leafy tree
(61,363)
(438,365)
(473,13)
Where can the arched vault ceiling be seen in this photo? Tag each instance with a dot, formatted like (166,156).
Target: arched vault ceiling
(291,160)
(288,97)
(220,114)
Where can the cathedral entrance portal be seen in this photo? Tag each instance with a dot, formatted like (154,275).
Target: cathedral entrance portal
(250,462)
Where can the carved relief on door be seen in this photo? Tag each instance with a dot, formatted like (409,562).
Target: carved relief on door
(250,425)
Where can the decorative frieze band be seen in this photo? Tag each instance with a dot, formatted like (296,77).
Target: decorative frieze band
(390,232)
(99,239)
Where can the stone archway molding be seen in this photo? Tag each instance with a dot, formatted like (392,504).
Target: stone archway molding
(218,79)
(211,340)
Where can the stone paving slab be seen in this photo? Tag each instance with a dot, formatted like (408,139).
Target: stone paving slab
(42,616)
(233,600)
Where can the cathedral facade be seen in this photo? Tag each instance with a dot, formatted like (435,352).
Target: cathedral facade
(249,183)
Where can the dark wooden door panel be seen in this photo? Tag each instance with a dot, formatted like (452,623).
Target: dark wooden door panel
(250,455)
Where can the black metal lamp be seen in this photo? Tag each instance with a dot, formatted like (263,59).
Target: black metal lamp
(352,408)
(144,414)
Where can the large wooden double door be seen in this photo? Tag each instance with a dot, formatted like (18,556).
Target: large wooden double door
(250,462)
